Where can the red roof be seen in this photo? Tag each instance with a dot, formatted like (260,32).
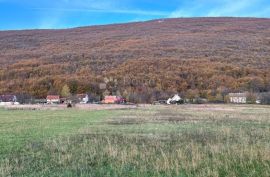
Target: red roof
(112,99)
(53,97)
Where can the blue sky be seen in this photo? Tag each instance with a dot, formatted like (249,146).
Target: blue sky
(51,14)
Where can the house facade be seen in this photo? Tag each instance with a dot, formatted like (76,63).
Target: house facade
(113,100)
(83,98)
(53,99)
(239,98)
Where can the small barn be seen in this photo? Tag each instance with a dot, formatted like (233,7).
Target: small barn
(53,99)
(239,98)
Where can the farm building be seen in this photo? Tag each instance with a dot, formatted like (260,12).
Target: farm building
(238,98)
(53,99)
(8,99)
(113,100)
(82,98)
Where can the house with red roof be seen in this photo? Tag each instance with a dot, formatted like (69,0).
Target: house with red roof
(53,99)
(114,100)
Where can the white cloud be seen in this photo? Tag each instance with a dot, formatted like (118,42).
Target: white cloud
(51,15)
(190,11)
(180,13)
(232,8)
(119,11)
(48,24)
(101,6)
(89,4)
(210,8)
(50,19)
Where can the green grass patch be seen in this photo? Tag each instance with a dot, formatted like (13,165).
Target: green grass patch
(20,127)
(153,141)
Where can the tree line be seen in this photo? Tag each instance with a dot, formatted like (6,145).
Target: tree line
(140,81)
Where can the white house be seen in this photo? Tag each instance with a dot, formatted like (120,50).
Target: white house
(238,98)
(174,100)
(83,98)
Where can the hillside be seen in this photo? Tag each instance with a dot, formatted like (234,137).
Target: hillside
(143,61)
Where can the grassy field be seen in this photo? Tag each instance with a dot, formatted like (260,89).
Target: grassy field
(187,140)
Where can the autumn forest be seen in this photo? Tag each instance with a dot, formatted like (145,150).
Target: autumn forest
(143,61)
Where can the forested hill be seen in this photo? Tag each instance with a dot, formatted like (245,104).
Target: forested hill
(143,61)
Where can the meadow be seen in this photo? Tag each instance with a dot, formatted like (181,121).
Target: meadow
(185,140)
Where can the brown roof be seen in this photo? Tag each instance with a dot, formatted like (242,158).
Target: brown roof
(237,94)
(53,97)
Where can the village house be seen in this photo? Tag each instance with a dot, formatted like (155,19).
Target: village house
(8,100)
(82,98)
(110,99)
(53,99)
(238,98)
(113,100)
